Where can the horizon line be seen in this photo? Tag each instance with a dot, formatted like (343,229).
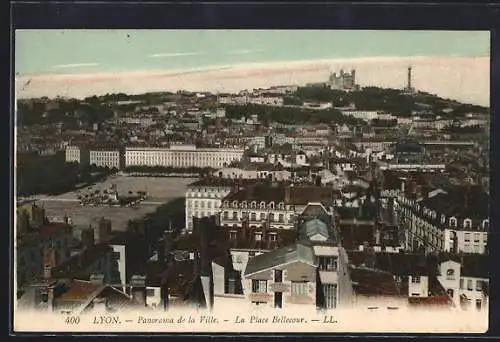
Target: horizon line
(242,64)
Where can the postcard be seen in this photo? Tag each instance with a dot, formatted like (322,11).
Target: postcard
(220,181)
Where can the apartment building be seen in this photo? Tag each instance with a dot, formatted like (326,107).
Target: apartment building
(454,220)
(105,157)
(466,280)
(181,156)
(204,198)
(312,271)
(76,154)
(259,204)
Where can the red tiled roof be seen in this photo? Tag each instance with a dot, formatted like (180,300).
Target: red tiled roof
(79,290)
(433,300)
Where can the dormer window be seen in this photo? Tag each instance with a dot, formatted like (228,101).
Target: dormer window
(271,205)
(226,204)
(453,222)
(486,224)
(253,205)
(235,204)
(262,205)
(450,274)
(244,204)
(443,219)
(281,206)
(467,223)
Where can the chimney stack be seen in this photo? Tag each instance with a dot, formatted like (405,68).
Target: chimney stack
(287,194)
(49,262)
(138,289)
(88,238)
(104,230)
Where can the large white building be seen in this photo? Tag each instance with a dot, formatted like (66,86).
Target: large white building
(76,154)
(204,197)
(181,156)
(105,157)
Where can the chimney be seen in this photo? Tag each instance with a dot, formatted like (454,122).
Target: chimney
(205,259)
(23,222)
(287,194)
(49,262)
(138,289)
(104,230)
(403,181)
(88,238)
(161,250)
(38,214)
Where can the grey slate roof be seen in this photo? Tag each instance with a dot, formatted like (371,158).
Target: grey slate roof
(312,227)
(296,252)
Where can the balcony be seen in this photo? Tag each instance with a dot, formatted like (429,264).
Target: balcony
(279,287)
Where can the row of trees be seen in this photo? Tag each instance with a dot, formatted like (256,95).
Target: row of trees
(69,112)
(52,175)
(290,116)
(167,169)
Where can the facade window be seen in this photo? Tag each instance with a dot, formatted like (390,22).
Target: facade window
(467,223)
(467,237)
(453,222)
(461,283)
(273,237)
(327,263)
(281,217)
(450,274)
(299,288)
(271,217)
(253,216)
(235,215)
(479,285)
(449,292)
(478,304)
(225,215)
(232,235)
(469,284)
(330,293)
(262,205)
(262,216)
(415,279)
(278,276)
(477,237)
(259,286)
(258,236)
